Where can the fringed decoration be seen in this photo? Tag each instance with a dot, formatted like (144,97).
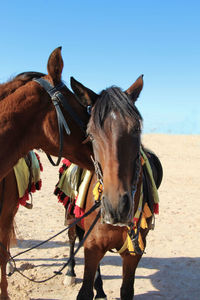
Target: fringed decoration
(38,185)
(35,186)
(156,208)
(135,221)
(66,164)
(23,199)
(79,212)
(62,198)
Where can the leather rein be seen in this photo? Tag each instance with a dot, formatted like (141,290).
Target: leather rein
(59,101)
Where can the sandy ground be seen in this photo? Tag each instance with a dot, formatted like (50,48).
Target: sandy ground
(170,269)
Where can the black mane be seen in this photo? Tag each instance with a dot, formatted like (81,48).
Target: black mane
(29,75)
(114,99)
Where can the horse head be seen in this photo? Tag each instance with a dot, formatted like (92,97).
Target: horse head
(66,110)
(35,109)
(115,131)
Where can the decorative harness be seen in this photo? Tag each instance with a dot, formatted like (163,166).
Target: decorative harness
(58,99)
(132,241)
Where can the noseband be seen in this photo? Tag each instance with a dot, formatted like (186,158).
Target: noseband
(58,99)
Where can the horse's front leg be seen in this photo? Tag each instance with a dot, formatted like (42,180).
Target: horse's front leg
(92,259)
(4,248)
(70,274)
(98,285)
(4,282)
(130,263)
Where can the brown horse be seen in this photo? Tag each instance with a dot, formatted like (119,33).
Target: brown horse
(115,131)
(8,188)
(28,120)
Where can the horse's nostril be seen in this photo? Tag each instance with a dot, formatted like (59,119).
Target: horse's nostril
(124,205)
(126,200)
(107,205)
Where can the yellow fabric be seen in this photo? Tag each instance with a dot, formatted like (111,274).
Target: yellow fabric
(68,182)
(83,188)
(97,189)
(146,211)
(128,243)
(22,176)
(143,223)
(141,244)
(22,173)
(74,182)
(146,161)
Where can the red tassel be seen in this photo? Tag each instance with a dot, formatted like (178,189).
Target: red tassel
(66,162)
(79,212)
(135,220)
(33,188)
(156,208)
(61,170)
(65,200)
(23,199)
(38,185)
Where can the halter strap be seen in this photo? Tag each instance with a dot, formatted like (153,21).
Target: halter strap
(58,98)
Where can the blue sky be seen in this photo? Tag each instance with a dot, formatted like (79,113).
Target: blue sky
(112,42)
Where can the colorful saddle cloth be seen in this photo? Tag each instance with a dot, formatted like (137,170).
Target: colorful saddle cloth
(74,183)
(27,172)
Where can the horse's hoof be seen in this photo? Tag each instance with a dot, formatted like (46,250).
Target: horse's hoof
(69,280)
(9,269)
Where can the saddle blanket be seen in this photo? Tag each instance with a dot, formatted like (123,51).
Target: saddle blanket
(74,183)
(27,173)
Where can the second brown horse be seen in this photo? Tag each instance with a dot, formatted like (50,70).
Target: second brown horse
(115,132)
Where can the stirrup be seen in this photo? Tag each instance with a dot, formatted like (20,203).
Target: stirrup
(28,205)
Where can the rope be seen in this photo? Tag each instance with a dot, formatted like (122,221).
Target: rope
(12,258)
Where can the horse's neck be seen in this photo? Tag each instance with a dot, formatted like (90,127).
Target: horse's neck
(24,125)
(9,87)
(16,138)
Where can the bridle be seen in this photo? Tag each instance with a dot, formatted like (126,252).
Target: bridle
(136,175)
(99,174)
(58,99)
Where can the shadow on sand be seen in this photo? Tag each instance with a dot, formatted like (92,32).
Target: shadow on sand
(176,278)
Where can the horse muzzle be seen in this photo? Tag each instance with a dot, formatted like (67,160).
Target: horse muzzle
(119,213)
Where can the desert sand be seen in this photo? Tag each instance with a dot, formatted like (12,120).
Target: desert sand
(170,269)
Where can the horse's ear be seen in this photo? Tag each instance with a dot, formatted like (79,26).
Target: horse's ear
(55,65)
(135,88)
(84,95)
